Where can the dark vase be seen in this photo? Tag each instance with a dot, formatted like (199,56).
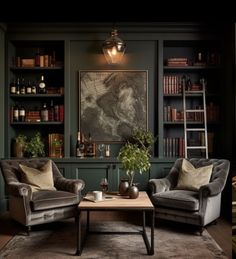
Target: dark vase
(133,192)
(124,186)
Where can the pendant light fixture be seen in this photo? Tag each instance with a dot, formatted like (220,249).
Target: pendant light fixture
(113,48)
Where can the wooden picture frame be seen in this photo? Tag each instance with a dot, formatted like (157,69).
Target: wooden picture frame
(112,103)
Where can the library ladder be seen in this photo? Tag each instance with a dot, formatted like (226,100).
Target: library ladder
(203,144)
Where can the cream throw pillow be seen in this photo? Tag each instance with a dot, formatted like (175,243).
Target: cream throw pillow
(38,179)
(191,178)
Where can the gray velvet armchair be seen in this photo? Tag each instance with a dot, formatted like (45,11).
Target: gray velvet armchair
(193,207)
(32,208)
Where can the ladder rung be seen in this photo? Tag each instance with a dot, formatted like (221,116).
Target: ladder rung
(195,129)
(199,110)
(194,92)
(196,147)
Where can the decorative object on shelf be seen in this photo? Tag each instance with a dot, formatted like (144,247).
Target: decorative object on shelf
(35,147)
(112,103)
(134,158)
(113,48)
(20,143)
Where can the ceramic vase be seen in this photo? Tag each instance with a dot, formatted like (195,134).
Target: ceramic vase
(124,186)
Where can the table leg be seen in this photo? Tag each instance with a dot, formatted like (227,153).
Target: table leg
(88,221)
(150,249)
(78,234)
(152,232)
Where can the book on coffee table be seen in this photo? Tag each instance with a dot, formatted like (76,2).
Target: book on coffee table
(106,198)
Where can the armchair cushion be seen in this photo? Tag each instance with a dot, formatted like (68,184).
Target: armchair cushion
(44,200)
(38,179)
(191,178)
(177,199)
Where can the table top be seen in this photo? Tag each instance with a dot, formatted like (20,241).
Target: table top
(117,202)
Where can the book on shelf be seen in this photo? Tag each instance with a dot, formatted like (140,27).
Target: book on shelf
(55,145)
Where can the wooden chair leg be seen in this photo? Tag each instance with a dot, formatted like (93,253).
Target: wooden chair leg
(201,230)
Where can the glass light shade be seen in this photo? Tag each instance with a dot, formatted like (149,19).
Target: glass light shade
(113,48)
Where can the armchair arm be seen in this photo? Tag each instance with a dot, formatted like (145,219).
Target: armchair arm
(20,189)
(159,185)
(212,188)
(69,185)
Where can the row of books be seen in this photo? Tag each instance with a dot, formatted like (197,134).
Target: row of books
(175,62)
(174,85)
(173,147)
(174,115)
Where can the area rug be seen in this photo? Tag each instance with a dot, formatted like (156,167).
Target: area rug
(59,241)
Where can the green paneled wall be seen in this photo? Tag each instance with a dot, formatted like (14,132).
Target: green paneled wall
(87,55)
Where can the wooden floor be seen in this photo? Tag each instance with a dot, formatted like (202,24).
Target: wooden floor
(221,232)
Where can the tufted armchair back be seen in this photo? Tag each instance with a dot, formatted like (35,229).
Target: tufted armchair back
(12,172)
(219,173)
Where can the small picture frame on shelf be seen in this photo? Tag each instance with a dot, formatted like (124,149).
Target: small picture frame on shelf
(112,103)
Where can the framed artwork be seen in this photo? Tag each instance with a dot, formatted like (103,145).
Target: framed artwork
(112,103)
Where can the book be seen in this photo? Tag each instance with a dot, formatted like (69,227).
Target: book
(106,198)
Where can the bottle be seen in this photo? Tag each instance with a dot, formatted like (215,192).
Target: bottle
(90,147)
(107,151)
(42,86)
(44,113)
(34,88)
(79,146)
(51,112)
(16,113)
(37,58)
(188,84)
(29,88)
(22,114)
(22,86)
(18,86)
(13,87)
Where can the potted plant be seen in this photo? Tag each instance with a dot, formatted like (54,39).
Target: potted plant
(20,144)
(35,147)
(134,159)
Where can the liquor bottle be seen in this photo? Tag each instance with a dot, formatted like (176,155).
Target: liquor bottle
(90,147)
(16,113)
(13,87)
(29,88)
(51,112)
(44,113)
(22,114)
(37,58)
(79,146)
(18,86)
(42,86)
(188,84)
(22,86)
(33,88)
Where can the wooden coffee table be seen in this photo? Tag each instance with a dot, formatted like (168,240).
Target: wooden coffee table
(119,203)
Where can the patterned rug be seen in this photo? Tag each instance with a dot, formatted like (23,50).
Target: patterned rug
(58,240)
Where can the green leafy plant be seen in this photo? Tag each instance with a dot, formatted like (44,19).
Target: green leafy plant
(143,138)
(21,139)
(20,145)
(35,147)
(134,158)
